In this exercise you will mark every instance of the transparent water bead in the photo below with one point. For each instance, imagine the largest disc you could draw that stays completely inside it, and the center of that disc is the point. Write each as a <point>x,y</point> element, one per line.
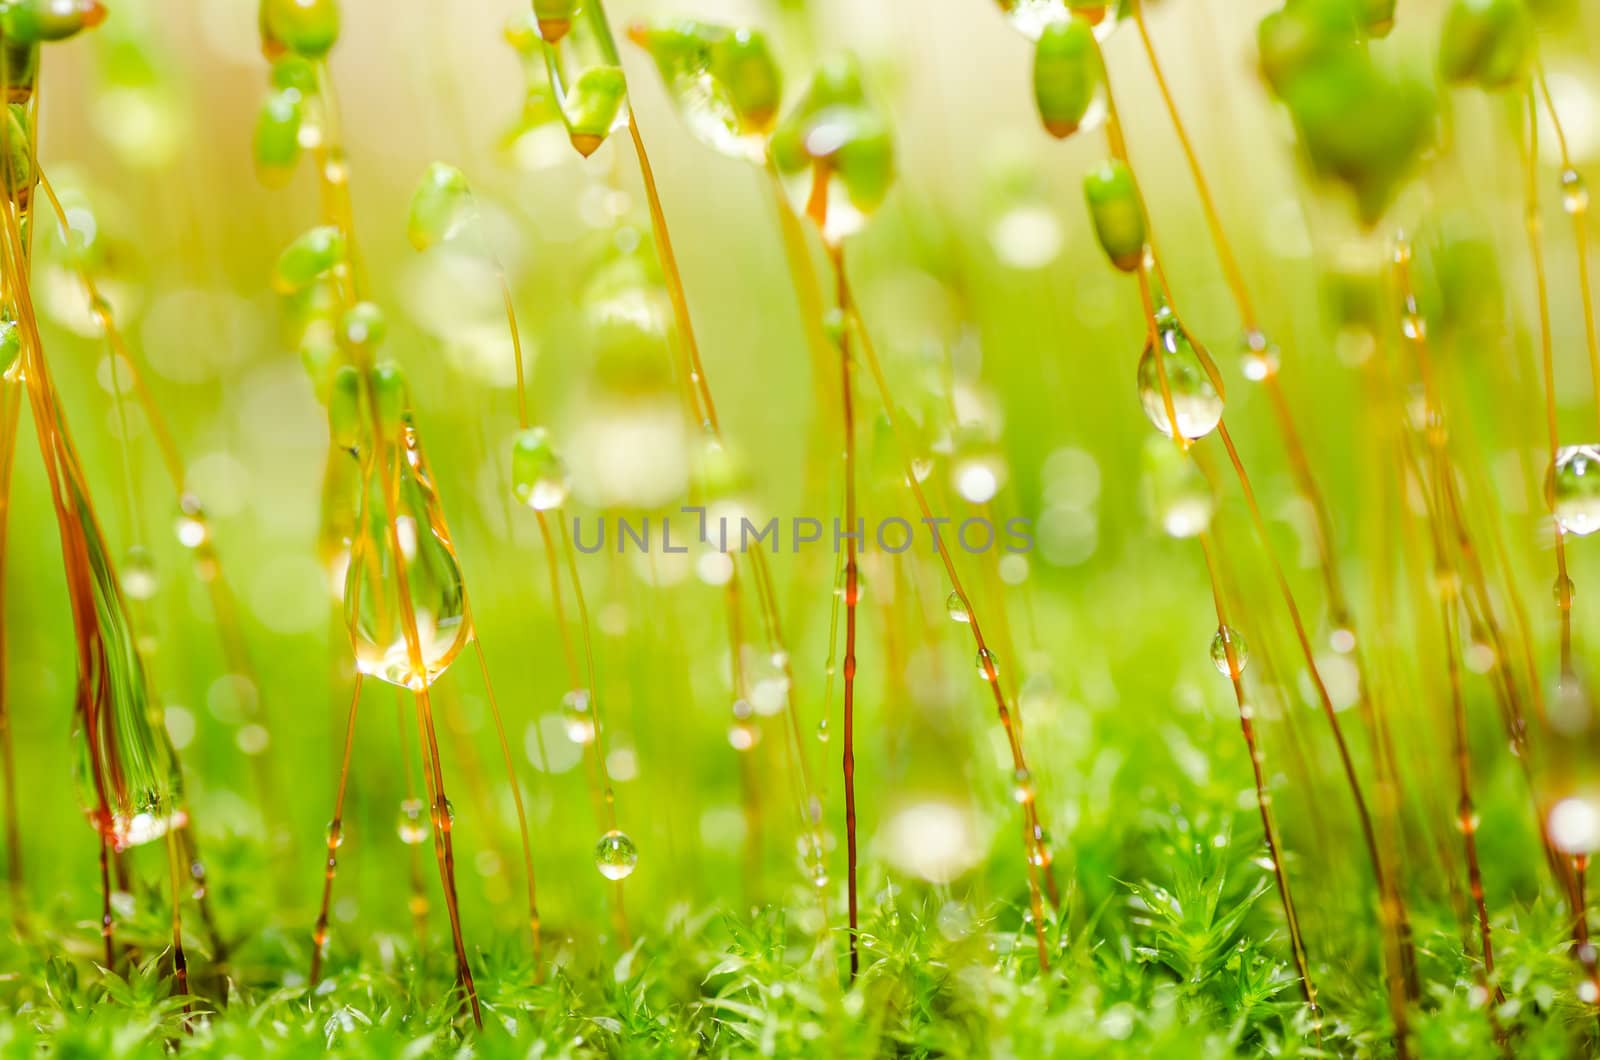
<point>956,607</point>
<point>988,668</point>
<point>139,578</point>
<point>1575,489</point>
<point>1196,404</point>
<point>1228,640</point>
<point>615,855</point>
<point>413,826</point>
<point>577,718</point>
<point>380,625</point>
<point>1574,192</point>
<point>1022,789</point>
<point>1574,825</point>
<point>1030,17</point>
<point>539,477</point>
<point>1260,357</point>
<point>1176,492</point>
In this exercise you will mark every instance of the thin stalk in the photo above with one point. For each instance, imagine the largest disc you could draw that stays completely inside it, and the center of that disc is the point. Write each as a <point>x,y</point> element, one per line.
<point>1269,828</point>
<point>1448,585</point>
<point>330,868</point>
<point>1577,208</point>
<point>1036,850</point>
<point>10,416</point>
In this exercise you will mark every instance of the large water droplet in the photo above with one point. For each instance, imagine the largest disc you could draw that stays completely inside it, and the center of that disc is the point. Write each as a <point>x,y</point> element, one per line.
<point>1196,405</point>
<point>434,607</point>
<point>1030,17</point>
<point>1229,653</point>
<point>988,668</point>
<point>615,855</point>
<point>539,476</point>
<point>1575,489</point>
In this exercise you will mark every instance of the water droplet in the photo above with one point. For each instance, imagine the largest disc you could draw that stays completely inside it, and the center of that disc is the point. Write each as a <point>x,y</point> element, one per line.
<point>1342,639</point>
<point>335,834</point>
<point>768,681</point>
<point>577,717</point>
<point>615,855</point>
<point>193,530</point>
<point>1574,486</point>
<point>413,826</point>
<point>380,630</point>
<point>976,469</point>
<point>1176,492</point>
<point>1563,591</point>
<point>742,736</point>
<point>822,731</point>
<point>139,579</point>
<point>1030,17</point>
<point>1196,405</point>
<point>957,607</point>
<point>539,476</point>
<point>1022,790</point>
<point>1260,357</point>
<point>1574,192</point>
<point>1574,825</point>
<point>988,669</point>
<point>1229,653</point>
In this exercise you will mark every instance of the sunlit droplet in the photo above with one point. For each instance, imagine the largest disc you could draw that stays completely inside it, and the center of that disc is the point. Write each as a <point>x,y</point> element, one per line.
<point>577,717</point>
<point>413,825</point>
<point>1574,192</point>
<point>139,579</point>
<point>615,855</point>
<point>956,607</point>
<point>1229,654</point>
<point>1575,489</point>
<point>988,669</point>
<point>1196,404</point>
<point>1574,825</point>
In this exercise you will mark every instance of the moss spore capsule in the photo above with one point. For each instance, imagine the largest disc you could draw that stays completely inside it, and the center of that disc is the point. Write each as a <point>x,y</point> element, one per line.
<point>1117,213</point>
<point>439,206</point>
<point>309,28</point>
<point>309,257</point>
<point>1068,77</point>
<point>277,136</point>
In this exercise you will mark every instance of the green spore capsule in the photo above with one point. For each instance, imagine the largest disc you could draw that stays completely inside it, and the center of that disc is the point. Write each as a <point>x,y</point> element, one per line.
<point>1067,77</point>
<point>306,27</point>
<point>555,17</point>
<point>277,141</point>
<point>292,71</point>
<point>20,173</point>
<point>743,63</point>
<point>1378,16</point>
<point>33,21</point>
<point>307,258</point>
<point>363,326</point>
<point>1117,212</point>
<point>592,106</point>
<point>1489,42</point>
<point>439,206</point>
<point>344,408</point>
<point>539,476</point>
<point>392,394</point>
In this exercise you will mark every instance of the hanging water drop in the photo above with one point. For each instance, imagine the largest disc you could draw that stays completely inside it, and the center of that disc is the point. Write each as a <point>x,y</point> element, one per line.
<point>615,855</point>
<point>1575,489</point>
<point>405,638</point>
<point>193,530</point>
<point>1196,404</point>
<point>139,579</point>
<point>413,826</point>
<point>577,717</point>
<point>956,607</point>
<point>1574,192</point>
<point>1229,653</point>
<point>539,476</point>
<point>1022,789</point>
<point>1176,493</point>
<point>988,669</point>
